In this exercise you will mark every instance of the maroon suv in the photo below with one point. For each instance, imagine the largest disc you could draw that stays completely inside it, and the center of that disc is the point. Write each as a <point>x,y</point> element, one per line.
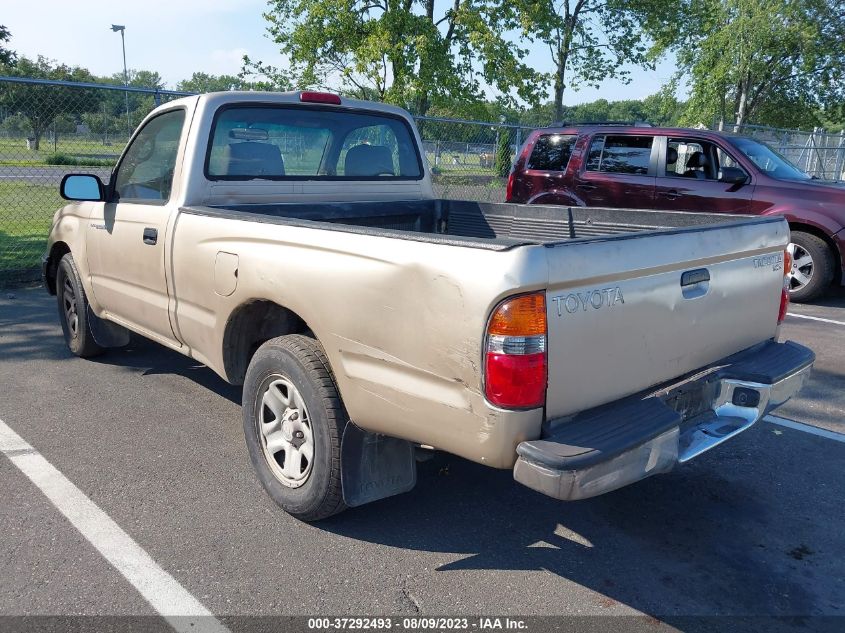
<point>688,170</point>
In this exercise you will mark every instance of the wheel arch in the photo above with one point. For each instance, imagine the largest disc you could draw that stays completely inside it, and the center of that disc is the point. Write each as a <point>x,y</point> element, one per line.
<point>250,325</point>
<point>57,251</point>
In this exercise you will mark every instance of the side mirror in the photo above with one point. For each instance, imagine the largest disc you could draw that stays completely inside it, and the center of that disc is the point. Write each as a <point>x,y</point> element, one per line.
<point>733,175</point>
<point>82,187</point>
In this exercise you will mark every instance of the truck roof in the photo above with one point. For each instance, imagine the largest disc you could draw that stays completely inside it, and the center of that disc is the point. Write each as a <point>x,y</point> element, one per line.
<point>217,99</point>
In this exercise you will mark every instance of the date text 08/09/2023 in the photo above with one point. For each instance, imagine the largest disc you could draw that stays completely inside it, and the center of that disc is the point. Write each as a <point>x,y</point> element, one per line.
<point>418,623</point>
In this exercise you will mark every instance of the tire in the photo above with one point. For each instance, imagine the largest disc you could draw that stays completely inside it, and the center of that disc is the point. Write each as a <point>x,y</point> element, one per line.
<point>813,267</point>
<point>73,310</point>
<point>291,403</point>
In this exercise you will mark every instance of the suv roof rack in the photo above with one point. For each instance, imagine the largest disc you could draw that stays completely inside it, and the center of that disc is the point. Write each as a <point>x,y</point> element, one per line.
<point>582,123</point>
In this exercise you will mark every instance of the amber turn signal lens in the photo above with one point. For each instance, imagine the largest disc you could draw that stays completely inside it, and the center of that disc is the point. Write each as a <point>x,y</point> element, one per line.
<point>787,262</point>
<point>520,316</point>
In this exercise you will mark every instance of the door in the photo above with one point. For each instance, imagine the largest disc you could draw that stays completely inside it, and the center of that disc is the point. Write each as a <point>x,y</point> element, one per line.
<point>126,235</point>
<point>619,172</point>
<point>688,178</point>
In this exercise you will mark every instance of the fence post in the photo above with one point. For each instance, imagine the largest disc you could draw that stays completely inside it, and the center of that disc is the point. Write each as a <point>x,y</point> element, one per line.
<point>518,141</point>
<point>840,156</point>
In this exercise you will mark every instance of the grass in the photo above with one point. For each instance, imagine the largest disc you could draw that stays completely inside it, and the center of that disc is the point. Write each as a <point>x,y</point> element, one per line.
<point>26,212</point>
<point>64,159</point>
<point>13,151</point>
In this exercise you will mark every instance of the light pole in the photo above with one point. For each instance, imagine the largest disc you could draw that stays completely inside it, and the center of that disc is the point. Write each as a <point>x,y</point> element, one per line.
<point>122,29</point>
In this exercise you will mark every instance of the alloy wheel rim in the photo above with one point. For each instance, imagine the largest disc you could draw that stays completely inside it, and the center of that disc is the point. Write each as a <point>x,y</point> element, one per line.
<point>69,303</point>
<point>284,429</point>
<point>802,269</point>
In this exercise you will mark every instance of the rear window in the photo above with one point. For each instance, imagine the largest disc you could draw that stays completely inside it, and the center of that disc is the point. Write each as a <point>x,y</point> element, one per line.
<point>284,142</point>
<point>620,154</point>
<point>551,152</point>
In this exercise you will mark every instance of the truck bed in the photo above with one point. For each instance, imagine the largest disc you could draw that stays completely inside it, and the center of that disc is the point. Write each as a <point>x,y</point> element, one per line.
<point>488,225</point>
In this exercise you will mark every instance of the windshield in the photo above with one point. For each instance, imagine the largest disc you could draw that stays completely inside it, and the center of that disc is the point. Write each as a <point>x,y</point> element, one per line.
<point>768,160</point>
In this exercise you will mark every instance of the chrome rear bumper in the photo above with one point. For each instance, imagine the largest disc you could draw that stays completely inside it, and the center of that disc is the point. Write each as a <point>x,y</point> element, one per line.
<point>619,444</point>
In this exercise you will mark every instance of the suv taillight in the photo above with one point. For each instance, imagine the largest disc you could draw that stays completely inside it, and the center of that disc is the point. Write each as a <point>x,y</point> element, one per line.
<point>515,366</point>
<point>784,293</point>
<point>509,187</point>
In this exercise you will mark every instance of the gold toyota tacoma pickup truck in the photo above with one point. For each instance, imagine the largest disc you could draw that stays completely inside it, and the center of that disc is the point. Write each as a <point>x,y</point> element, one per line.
<point>292,243</point>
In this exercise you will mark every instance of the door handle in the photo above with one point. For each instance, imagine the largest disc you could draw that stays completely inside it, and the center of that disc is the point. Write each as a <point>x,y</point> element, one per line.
<point>150,236</point>
<point>672,194</point>
<point>586,186</point>
<point>697,276</point>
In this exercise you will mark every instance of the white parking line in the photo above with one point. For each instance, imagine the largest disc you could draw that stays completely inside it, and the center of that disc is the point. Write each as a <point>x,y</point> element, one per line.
<point>172,601</point>
<point>814,318</point>
<point>806,428</point>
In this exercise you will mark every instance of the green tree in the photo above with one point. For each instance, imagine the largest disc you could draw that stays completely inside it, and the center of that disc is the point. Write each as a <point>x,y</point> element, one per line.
<point>503,152</point>
<point>139,104</point>
<point>410,52</point>
<point>776,61</point>
<point>203,82</point>
<point>7,57</point>
<point>589,40</point>
<point>15,125</point>
<point>104,124</point>
<point>41,105</point>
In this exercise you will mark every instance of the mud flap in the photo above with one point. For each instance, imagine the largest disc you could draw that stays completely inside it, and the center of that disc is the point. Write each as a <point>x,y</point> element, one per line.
<point>106,333</point>
<point>374,466</point>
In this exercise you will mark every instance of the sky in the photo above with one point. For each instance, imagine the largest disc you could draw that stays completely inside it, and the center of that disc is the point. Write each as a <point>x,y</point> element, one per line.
<point>178,37</point>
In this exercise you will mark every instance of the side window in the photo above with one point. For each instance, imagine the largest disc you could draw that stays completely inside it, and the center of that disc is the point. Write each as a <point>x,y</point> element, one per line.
<point>695,158</point>
<point>726,160</point>
<point>620,154</point>
<point>551,152</point>
<point>369,151</point>
<point>146,172</point>
<point>682,154</point>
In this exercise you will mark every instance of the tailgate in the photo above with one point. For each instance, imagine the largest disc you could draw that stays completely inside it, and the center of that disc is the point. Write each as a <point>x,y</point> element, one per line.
<point>629,312</point>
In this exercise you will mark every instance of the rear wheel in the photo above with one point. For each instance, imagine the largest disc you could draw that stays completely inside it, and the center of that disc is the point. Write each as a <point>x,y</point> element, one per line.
<point>293,424</point>
<point>73,310</point>
<point>813,267</point>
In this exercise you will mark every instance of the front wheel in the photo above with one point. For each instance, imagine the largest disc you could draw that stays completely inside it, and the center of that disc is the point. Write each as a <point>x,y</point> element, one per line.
<point>293,423</point>
<point>73,310</point>
<point>813,267</point>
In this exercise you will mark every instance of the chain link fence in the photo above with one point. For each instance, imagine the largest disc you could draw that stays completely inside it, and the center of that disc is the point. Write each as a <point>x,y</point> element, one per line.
<point>51,128</point>
<point>817,152</point>
<point>470,160</point>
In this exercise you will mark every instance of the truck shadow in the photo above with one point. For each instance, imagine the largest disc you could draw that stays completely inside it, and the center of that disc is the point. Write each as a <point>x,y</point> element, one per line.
<point>152,359</point>
<point>723,535</point>
<point>29,330</point>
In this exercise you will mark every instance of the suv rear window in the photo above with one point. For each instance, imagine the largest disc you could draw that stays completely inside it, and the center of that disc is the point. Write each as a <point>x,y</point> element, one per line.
<point>551,152</point>
<point>620,154</point>
<point>290,142</point>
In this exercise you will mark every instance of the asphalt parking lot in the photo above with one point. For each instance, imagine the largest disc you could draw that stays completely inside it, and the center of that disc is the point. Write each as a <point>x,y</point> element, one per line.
<point>752,528</point>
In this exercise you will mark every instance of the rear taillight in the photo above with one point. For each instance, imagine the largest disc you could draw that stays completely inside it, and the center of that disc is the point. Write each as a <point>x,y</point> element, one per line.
<point>515,361</point>
<point>784,293</point>
<point>509,188</point>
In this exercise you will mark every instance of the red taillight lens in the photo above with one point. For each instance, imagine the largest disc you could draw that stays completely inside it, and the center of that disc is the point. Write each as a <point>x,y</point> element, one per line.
<point>784,293</point>
<point>516,381</point>
<point>515,364</point>
<point>319,97</point>
<point>509,188</point>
